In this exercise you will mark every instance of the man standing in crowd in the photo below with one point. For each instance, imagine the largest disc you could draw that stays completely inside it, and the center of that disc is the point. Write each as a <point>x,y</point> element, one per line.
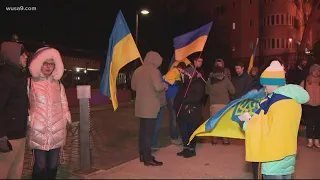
<point>13,110</point>
<point>242,82</point>
<point>147,83</point>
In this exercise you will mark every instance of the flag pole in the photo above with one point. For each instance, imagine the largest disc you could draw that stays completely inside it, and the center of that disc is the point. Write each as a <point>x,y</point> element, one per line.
<point>185,94</point>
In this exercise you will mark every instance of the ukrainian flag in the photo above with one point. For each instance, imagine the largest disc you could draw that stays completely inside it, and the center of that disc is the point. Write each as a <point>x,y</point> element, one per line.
<point>191,42</point>
<point>225,123</point>
<point>252,57</point>
<point>122,50</point>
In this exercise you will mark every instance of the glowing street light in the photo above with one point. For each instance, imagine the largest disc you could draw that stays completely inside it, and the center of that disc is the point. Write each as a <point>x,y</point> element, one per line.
<point>144,12</point>
<point>290,39</point>
<point>78,69</point>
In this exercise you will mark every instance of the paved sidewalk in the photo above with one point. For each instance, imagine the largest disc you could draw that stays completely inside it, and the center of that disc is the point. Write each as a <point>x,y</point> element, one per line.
<point>211,162</point>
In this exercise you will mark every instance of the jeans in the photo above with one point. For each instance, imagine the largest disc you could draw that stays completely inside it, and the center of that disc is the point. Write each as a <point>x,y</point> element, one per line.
<point>187,129</point>
<point>311,114</point>
<point>172,119</point>
<point>158,127</point>
<point>147,126</point>
<point>277,176</point>
<point>45,164</point>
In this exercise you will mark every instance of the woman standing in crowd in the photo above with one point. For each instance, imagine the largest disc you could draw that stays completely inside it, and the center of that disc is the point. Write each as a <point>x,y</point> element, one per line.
<point>312,107</point>
<point>49,112</point>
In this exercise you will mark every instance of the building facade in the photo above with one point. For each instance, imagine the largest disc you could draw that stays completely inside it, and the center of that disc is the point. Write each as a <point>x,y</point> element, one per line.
<point>279,25</point>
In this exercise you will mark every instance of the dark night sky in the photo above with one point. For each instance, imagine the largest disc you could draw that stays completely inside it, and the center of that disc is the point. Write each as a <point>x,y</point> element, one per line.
<point>88,24</point>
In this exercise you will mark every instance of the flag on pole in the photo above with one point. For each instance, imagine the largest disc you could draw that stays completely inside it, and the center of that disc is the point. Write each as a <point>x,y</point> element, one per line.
<point>191,42</point>
<point>122,50</point>
<point>252,57</point>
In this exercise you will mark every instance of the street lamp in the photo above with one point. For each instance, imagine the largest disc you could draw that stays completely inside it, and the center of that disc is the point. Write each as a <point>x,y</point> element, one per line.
<point>143,12</point>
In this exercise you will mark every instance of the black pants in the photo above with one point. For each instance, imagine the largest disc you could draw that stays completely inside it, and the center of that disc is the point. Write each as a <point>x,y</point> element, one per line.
<point>45,164</point>
<point>312,121</point>
<point>147,126</point>
<point>187,128</point>
<point>255,170</point>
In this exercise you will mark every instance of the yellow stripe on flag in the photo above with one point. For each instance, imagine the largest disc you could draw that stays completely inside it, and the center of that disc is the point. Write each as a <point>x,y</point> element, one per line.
<point>124,52</point>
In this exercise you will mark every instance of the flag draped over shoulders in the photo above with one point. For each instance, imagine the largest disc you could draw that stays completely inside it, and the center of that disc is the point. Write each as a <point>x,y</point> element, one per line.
<point>225,123</point>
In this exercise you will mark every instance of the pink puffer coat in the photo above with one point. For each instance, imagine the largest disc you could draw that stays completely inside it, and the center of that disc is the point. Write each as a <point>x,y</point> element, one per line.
<point>49,112</point>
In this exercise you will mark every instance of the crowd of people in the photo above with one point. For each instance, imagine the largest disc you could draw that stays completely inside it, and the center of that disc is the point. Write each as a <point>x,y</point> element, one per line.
<point>34,110</point>
<point>184,96</point>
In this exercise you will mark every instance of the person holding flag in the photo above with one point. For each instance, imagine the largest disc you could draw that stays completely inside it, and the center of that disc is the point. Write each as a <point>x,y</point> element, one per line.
<point>188,105</point>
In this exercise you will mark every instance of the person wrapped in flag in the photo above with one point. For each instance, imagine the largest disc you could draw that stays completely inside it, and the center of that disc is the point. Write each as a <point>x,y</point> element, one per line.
<point>271,133</point>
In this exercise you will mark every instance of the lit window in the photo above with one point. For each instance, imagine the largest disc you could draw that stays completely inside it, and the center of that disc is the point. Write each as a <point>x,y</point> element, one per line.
<point>233,25</point>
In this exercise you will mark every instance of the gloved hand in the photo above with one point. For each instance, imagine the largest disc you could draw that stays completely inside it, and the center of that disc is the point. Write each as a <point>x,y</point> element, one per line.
<point>5,145</point>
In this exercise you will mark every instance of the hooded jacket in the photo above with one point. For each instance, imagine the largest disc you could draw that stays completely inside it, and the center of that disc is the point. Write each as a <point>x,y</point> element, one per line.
<point>13,92</point>
<point>147,83</point>
<point>49,112</point>
<point>219,88</point>
<point>271,134</point>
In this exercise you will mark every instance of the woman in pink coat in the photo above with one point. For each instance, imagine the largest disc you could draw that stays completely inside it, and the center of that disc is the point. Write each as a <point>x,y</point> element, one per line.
<point>49,112</point>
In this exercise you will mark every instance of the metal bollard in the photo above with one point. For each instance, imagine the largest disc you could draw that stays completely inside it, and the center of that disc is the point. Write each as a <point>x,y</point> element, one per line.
<point>84,94</point>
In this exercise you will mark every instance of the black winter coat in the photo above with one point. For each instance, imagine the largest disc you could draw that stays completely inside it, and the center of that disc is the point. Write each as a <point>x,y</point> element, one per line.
<point>13,102</point>
<point>191,109</point>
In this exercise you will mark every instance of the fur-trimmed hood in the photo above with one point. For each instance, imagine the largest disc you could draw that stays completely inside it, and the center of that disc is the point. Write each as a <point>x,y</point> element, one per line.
<point>40,57</point>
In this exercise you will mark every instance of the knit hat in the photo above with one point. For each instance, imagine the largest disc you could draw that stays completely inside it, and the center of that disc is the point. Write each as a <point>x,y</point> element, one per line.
<point>274,75</point>
<point>314,67</point>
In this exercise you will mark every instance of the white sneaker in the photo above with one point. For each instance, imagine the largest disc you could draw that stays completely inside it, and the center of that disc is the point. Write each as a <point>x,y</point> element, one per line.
<point>310,143</point>
<point>176,141</point>
<point>317,143</point>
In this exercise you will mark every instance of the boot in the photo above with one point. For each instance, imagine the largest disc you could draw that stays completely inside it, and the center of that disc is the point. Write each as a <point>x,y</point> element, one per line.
<point>184,151</point>
<point>310,143</point>
<point>39,175</point>
<point>214,140</point>
<point>153,162</point>
<point>225,141</point>
<point>317,143</point>
<point>141,157</point>
<point>52,173</point>
<point>190,153</point>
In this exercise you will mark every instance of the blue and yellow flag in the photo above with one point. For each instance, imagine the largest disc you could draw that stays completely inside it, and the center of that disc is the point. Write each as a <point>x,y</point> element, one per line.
<point>252,57</point>
<point>191,42</point>
<point>122,50</point>
<point>225,123</point>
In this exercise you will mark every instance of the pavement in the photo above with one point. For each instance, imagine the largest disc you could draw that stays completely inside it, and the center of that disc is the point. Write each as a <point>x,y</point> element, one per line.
<point>114,151</point>
<point>211,162</point>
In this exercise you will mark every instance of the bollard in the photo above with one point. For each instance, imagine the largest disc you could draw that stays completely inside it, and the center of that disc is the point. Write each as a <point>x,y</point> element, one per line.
<point>84,94</point>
